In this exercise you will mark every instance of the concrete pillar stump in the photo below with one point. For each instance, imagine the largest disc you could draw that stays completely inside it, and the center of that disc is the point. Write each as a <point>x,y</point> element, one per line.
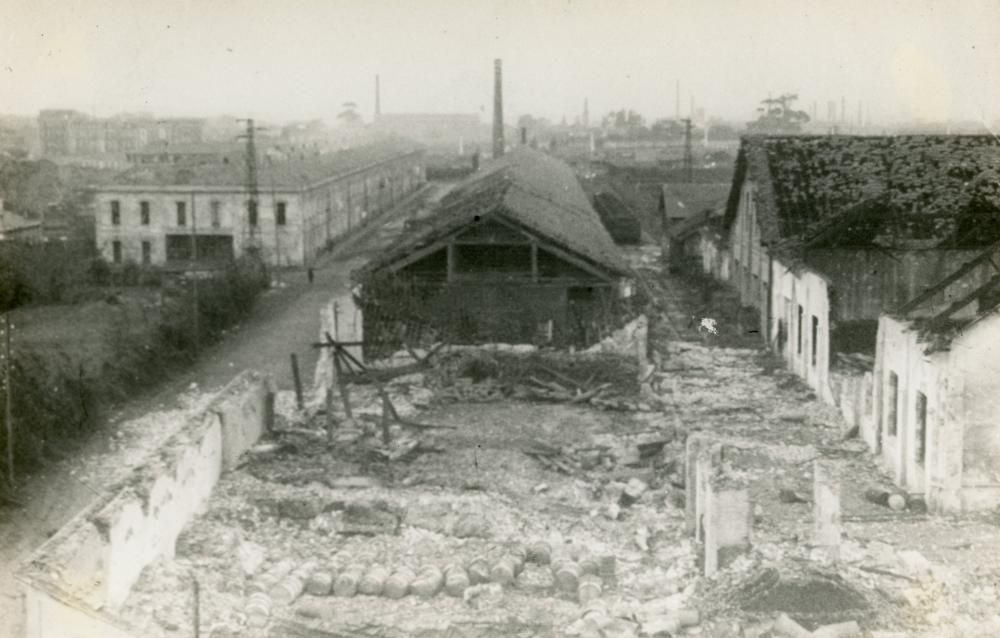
<point>826,505</point>
<point>728,524</point>
<point>707,462</point>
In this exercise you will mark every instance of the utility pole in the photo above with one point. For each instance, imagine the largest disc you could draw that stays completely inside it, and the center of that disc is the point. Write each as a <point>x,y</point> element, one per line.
<point>8,396</point>
<point>195,275</point>
<point>251,180</point>
<point>688,157</point>
<point>274,208</point>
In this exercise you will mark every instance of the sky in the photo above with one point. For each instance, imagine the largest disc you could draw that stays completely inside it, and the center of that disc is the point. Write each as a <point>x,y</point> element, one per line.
<point>302,59</point>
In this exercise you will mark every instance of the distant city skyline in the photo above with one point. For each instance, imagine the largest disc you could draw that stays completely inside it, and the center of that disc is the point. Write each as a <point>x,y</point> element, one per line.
<point>918,60</point>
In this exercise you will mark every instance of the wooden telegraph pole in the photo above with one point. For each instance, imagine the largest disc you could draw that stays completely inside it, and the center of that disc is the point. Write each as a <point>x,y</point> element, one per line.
<point>8,397</point>
<point>195,275</point>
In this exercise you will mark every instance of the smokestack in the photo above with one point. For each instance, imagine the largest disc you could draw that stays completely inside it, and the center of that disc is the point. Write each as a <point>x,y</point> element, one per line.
<point>524,136</point>
<point>677,102</point>
<point>586,114</point>
<point>378,98</point>
<point>498,143</point>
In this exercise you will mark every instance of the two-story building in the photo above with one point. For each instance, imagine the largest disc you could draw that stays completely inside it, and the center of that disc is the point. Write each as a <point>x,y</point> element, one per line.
<point>163,215</point>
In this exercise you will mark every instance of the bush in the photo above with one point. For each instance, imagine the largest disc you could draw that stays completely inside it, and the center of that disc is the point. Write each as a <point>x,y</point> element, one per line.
<point>56,402</point>
<point>99,271</point>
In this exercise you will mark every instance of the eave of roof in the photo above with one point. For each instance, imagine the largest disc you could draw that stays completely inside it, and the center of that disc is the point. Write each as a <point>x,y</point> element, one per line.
<point>529,188</point>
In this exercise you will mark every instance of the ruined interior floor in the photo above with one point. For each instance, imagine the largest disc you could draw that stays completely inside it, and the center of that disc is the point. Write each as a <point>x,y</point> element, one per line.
<point>480,493</point>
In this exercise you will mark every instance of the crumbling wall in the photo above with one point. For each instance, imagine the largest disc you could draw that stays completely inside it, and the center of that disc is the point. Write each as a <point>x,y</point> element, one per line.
<point>853,393</point>
<point>715,256</point>
<point>88,568</point>
<point>901,352</point>
<point>974,385</point>
<point>63,617</point>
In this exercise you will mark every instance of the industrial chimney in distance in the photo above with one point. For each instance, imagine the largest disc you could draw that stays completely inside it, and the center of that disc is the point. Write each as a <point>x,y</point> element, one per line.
<point>498,142</point>
<point>378,98</point>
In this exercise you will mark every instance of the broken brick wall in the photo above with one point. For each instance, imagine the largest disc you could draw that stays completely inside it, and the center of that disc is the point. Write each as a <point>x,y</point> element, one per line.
<point>91,564</point>
<point>853,393</point>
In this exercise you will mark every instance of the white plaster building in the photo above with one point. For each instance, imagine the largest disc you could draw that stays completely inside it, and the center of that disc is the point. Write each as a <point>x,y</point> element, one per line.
<point>825,233</point>
<point>167,215</point>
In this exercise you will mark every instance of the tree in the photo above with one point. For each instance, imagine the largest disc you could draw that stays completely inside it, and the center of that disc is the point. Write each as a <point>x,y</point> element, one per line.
<point>777,115</point>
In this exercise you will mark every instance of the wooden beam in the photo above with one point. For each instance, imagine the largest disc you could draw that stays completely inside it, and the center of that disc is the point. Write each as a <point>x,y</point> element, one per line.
<point>534,262</point>
<point>451,262</point>
<point>960,303</point>
<point>947,281</point>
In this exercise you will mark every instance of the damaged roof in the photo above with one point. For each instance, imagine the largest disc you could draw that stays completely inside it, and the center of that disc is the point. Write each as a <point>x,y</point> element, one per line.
<point>942,190</point>
<point>295,172</point>
<point>530,188</point>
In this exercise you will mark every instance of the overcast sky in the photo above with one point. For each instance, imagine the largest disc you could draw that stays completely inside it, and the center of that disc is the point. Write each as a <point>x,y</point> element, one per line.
<point>293,59</point>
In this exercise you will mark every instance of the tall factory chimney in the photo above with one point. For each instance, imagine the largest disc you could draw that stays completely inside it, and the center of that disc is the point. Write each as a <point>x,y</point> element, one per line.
<point>378,98</point>
<point>498,143</point>
<point>586,113</point>
<point>677,101</point>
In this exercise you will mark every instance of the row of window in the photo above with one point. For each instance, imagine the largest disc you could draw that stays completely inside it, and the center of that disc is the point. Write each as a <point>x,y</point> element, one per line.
<point>920,411</point>
<point>180,209</point>
<point>147,252</point>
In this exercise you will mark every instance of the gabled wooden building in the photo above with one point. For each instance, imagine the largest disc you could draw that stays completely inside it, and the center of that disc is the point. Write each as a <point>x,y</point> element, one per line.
<point>516,254</point>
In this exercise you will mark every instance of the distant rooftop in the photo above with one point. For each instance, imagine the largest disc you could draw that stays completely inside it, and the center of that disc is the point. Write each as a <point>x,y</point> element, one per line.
<point>298,171</point>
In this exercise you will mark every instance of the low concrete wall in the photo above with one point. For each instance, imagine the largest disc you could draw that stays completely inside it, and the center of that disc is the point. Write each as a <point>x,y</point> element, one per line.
<point>75,581</point>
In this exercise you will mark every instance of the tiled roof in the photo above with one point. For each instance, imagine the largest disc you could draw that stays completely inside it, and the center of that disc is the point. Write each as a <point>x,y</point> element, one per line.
<point>532,189</point>
<point>684,200</point>
<point>944,189</point>
<point>295,172</point>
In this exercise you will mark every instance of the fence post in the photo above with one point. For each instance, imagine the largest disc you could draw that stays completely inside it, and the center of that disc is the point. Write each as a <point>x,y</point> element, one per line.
<point>297,380</point>
<point>8,398</point>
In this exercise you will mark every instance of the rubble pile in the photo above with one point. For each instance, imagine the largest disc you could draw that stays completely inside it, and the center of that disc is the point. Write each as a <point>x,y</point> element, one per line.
<point>483,375</point>
<point>501,504</point>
